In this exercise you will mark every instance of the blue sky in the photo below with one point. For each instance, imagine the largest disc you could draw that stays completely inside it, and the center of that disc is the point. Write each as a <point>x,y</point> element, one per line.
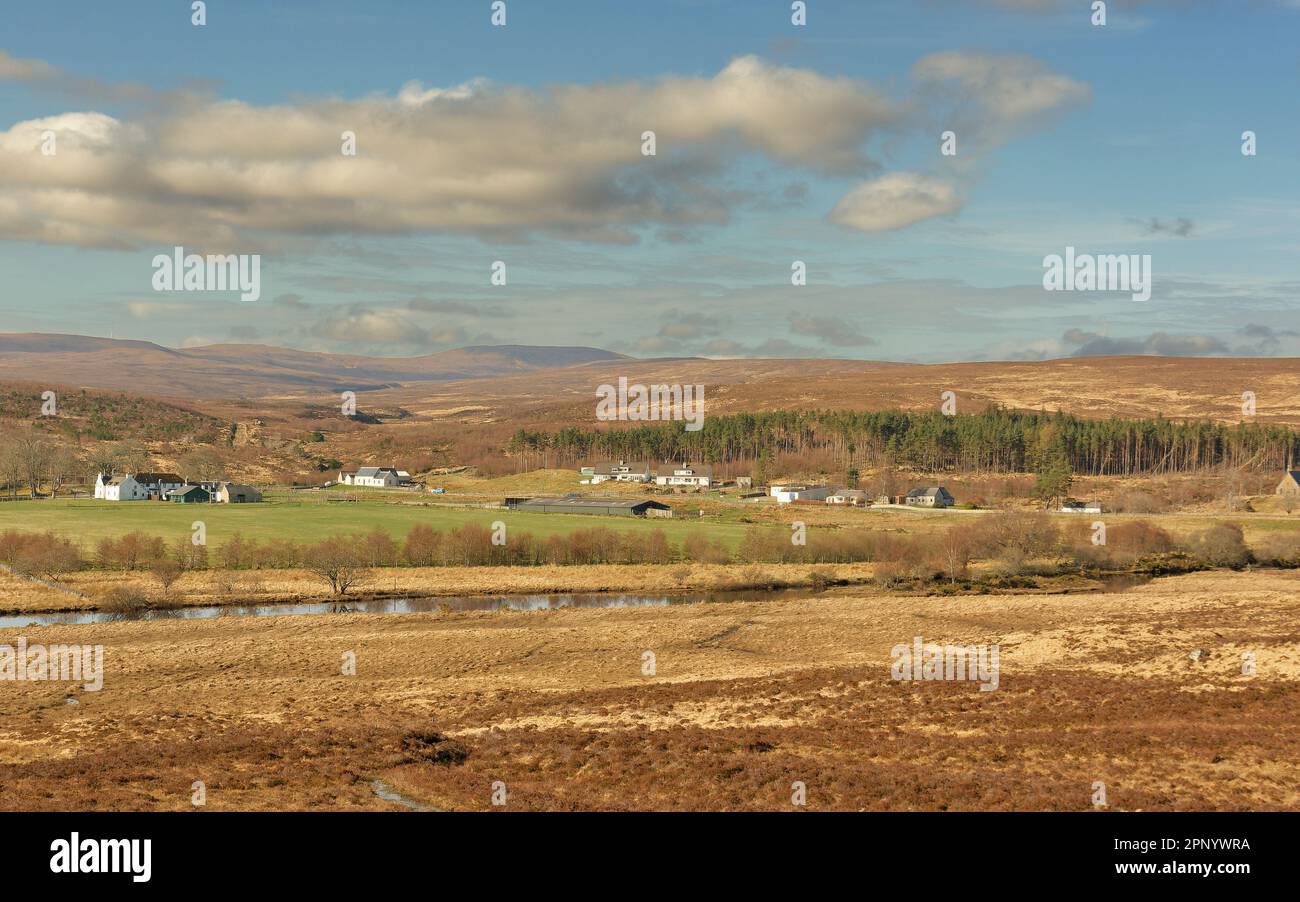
<point>776,143</point>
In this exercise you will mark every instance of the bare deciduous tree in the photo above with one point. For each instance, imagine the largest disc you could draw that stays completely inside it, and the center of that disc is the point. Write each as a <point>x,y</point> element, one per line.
<point>338,561</point>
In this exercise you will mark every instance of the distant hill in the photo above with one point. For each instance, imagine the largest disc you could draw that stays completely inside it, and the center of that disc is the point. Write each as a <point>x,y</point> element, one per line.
<point>255,371</point>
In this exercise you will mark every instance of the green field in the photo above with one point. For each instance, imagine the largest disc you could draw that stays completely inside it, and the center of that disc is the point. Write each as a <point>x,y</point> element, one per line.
<point>302,520</point>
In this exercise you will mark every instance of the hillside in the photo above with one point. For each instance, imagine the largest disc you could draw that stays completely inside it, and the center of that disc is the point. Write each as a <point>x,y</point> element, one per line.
<point>255,371</point>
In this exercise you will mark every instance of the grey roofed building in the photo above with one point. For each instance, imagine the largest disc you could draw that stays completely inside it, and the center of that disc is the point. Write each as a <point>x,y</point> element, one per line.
<point>157,478</point>
<point>189,494</point>
<point>237,493</point>
<point>617,507</point>
<point>933,496</point>
<point>623,471</point>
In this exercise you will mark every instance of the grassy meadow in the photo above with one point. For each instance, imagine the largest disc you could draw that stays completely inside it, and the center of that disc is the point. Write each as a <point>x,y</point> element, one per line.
<point>314,518</point>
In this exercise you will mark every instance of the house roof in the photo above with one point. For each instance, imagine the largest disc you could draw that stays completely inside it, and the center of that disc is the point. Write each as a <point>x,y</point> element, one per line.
<point>607,467</point>
<point>154,478</point>
<point>375,471</point>
<point>186,489</point>
<point>930,492</point>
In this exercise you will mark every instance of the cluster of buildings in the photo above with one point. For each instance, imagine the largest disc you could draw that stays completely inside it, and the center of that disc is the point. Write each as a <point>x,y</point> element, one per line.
<point>700,476</point>
<point>930,496</point>
<point>170,487</point>
<point>687,475</point>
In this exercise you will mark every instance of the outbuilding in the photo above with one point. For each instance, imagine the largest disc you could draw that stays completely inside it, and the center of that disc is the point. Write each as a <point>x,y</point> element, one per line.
<point>609,507</point>
<point>189,494</point>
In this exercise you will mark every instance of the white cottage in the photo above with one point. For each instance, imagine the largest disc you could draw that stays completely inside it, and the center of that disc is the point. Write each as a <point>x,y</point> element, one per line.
<point>701,477</point>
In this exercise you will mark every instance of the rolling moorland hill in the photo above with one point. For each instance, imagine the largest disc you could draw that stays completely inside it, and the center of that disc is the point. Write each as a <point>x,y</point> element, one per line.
<point>254,371</point>
<point>557,385</point>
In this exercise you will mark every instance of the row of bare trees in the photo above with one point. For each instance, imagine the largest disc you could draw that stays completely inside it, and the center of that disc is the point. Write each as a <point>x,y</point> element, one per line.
<point>33,464</point>
<point>37,465</point>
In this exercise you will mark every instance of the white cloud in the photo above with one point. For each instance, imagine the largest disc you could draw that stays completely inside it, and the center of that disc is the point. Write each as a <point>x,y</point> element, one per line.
<point>895,201</point>
<point>503,162</point>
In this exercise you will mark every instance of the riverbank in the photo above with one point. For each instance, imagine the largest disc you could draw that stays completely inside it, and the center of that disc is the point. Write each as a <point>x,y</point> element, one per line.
<point>241,587</point>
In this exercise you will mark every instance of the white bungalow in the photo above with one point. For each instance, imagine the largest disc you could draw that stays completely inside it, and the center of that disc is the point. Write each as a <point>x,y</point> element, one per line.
<point>377,477</point>
<point>622,471</point>
<point>701,477</point>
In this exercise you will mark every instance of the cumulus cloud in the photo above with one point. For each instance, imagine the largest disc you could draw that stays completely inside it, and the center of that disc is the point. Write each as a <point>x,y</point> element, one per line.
<point>994,96</point>
<point>1265,341</point>
<point>894,201</point>
<point>986,100</point>
<point>478,158</point>
<point>376,327</point>
<point>497,161</point>
<point>1091,344</point>
<point>830,329</point>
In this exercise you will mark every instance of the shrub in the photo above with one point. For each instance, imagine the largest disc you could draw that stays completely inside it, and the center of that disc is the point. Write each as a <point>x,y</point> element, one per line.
<point>166,571</point>
<point>1221,545</point>
<point>1279,549</point>
<point>129,552</point>
<point>45,555</point>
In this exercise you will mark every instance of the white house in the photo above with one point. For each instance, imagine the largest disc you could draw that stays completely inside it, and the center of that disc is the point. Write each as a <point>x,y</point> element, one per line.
<point>848,496</point>
<point>785,494</point>
<point>136,486</point>
<point>701,477</point>
<point>1081,507</point>
<point>379,477</point>
<point>622,471</point>
<point>933,496</point>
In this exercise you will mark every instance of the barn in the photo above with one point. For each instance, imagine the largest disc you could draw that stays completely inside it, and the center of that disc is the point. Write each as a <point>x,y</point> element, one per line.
<point>608,507</point>
<point>189,494</point>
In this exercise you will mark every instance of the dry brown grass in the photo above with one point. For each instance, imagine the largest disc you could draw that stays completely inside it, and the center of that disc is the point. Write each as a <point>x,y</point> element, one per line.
<point>747,698</point>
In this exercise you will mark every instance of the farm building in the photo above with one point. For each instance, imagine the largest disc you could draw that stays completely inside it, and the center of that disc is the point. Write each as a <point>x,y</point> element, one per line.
<point>234,493</point>
<point>615,507</point>
<point>934,496</point>
<point>189,494</point>
<point>785,494</point>
<point>1290,484</point>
